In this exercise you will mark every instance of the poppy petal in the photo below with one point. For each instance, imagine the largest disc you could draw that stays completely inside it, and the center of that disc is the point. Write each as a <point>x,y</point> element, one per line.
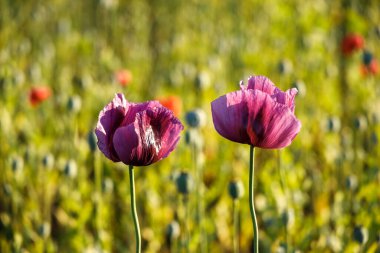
<point>110,118</point>
<point>230,116</point>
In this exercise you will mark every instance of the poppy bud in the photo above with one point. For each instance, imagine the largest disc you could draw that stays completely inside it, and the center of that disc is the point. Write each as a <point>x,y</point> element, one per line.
<point>7,188</point>
<point>74,104</point>
<point>202,81</point>
<point>196,118</point>
<point>44,230</point>
<point>351,182</point>
<point>193,138</point>
<point>300,86</point>
<point>173,230</point>
<point>360,234</point>
<point>367,57</point>
<point>48,161</point>
<point>17,164</point>
<point>71,169</point>
<point>285,66</point>
<point>184,183</point>
<point>333,124</point>
<point>360,123</point>
<point>107,185</point>
<point>236,189</point>
<point>91,140</point>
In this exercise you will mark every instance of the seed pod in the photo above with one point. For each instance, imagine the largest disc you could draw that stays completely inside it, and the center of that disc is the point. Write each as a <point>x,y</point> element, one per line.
<point>367,57</point>
<point>17,164</point>
<point>202,81</point>
<point>360,123</point>
<point>351,182</point>
<point>44,230</point>
<point>173,230</point>
<point>48,161</point>
<point>184,183</point>
<point>333,124</point>
<point>285,66</point>
<point>91,140</point>
<point>71,169</point>
<point>196,118</point>
<point>74,104</point>
<point>236,189</point>
<point>360,234</point>
<point>300,86</point>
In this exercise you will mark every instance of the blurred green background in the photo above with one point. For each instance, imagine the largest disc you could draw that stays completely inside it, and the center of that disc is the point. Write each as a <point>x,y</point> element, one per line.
<point>60,194</point>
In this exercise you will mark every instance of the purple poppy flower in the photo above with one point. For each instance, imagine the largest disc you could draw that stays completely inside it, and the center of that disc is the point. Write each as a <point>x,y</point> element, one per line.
<point>259,114</point>
<point>137,134</point>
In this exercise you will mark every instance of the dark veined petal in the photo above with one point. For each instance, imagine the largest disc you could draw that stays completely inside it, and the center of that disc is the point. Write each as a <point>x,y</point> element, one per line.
<point>151,137</point>
<point>230,116</point>
<point>110,118</point>
<point>169,128</point>
<point>271,124</point>
<point>135,108</point>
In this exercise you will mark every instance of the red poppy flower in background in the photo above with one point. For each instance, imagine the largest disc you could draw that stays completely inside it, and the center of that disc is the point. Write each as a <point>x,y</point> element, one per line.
<point>258,114</point>
<point>351,43</point>
<point>137,134</point>
<point>123,77</point>
<point>173,103</point>
<point>371,68</point>
<point>39,94</point>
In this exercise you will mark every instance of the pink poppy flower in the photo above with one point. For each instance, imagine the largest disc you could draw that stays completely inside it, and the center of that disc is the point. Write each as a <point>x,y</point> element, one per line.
<point>137,134</point>
<point>259,114</point>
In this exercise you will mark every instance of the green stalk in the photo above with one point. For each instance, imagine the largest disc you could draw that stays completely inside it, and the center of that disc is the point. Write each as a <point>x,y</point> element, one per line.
<point>235,207</point>
<point>251,200</point>
<point>134,212</point>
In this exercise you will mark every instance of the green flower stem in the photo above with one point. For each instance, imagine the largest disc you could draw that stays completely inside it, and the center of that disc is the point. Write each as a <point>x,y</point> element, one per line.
<point>134,212</point>
<point>283,186</point>
<point>251,199</point>
<point>235,207</point>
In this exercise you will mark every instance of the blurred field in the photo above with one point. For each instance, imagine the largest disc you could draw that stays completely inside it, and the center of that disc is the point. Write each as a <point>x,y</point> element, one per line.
<point>60,194</point>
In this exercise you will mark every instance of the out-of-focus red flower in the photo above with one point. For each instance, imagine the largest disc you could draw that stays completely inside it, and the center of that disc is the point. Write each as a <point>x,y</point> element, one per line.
<point>351,43</point>
<point>123,77</point>
<point>173,103</point>
<point>371,68</point>
<point>39,94</point>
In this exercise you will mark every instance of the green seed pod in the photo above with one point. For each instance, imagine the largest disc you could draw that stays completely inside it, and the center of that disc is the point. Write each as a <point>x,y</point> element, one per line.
<point>17,164</point>
<point>71,169</point>
<point>74,104</point>
<point>48,161</point>
<point>173,230</point>
<point>202,81</point>
<point>196,118</point>
<point>360,123</point>
<point>285,66</point>
<point>300,86</point>
<point>44,230</point>
<point>333,124</point>
<point>360,234</point>
<point>351,182</point>
<point>107,185</point>
<point>184,183</point>
<point>91,140</point>
<point>236,189</point>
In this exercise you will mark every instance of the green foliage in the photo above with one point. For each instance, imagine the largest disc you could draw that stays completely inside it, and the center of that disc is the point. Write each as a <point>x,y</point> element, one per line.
<point>58,194</point>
